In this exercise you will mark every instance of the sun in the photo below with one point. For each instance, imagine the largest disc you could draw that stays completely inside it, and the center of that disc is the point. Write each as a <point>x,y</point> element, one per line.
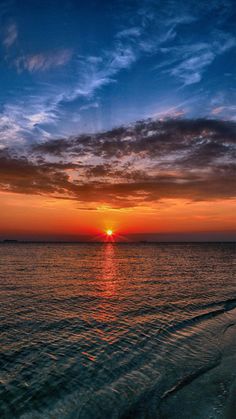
<point>109,232</point>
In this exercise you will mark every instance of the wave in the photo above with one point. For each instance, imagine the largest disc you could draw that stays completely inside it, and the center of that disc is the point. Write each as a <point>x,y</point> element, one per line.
<point>147,395</point>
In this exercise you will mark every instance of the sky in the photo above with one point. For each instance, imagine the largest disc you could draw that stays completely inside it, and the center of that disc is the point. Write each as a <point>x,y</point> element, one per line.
<point>118,114</point>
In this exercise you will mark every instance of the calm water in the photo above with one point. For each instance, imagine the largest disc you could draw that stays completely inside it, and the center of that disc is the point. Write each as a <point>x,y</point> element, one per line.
<point>118,331</point>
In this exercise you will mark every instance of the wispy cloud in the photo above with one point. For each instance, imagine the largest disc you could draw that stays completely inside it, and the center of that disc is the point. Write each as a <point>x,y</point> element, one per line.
<point>217,110</point>
<point>21,122</point>
<point>43,61</point>
<point>188,62</point>
<point>10,36</point>
<point>129,33</point>
<point>95,72</point>
<point>91,73</point>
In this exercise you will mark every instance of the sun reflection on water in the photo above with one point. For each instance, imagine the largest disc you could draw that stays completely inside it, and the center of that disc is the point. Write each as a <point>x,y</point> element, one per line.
<point>108,276</point>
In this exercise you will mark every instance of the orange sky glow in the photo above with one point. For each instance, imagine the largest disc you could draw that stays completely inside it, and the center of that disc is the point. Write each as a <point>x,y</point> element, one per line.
<point>159,179</point>
<point>26,216</point>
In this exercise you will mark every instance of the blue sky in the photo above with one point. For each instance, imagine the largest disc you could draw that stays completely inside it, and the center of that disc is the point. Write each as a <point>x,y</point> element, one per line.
<point>72,66</point>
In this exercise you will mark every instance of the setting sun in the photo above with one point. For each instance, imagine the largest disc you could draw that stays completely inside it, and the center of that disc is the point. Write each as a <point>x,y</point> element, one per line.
<point>109,232</point>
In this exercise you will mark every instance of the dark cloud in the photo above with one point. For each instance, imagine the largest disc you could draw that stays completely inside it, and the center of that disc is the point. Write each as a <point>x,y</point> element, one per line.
<point>149,138</point>
<point>148,161</point>
<point>19,174</point>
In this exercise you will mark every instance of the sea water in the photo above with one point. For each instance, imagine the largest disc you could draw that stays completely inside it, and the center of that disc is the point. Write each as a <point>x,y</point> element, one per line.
<point>118,331</point>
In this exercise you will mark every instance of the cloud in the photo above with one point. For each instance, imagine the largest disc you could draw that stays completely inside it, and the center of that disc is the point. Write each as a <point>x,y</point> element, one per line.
<point>129,45</point>
<point>43,61</point>
<point>217,110</point>
<point>150,138</point>
<point>96,72</point>
<point>188,62</point>
<point>130,32</point>
<point>11,35</point>
<point>22,121</point>
<point>145,162</point>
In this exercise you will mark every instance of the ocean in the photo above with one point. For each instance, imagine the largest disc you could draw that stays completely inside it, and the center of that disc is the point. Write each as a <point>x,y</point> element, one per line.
<point>114,331</point>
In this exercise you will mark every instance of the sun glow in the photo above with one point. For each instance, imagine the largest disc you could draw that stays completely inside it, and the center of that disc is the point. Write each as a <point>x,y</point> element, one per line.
<point>109,232</point>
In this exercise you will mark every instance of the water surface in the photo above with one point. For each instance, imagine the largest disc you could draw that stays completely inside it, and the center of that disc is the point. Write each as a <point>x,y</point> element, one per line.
<point>117,331</point>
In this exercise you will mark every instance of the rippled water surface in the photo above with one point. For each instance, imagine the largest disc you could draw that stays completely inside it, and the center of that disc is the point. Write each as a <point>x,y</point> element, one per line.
<point>118,331</point>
